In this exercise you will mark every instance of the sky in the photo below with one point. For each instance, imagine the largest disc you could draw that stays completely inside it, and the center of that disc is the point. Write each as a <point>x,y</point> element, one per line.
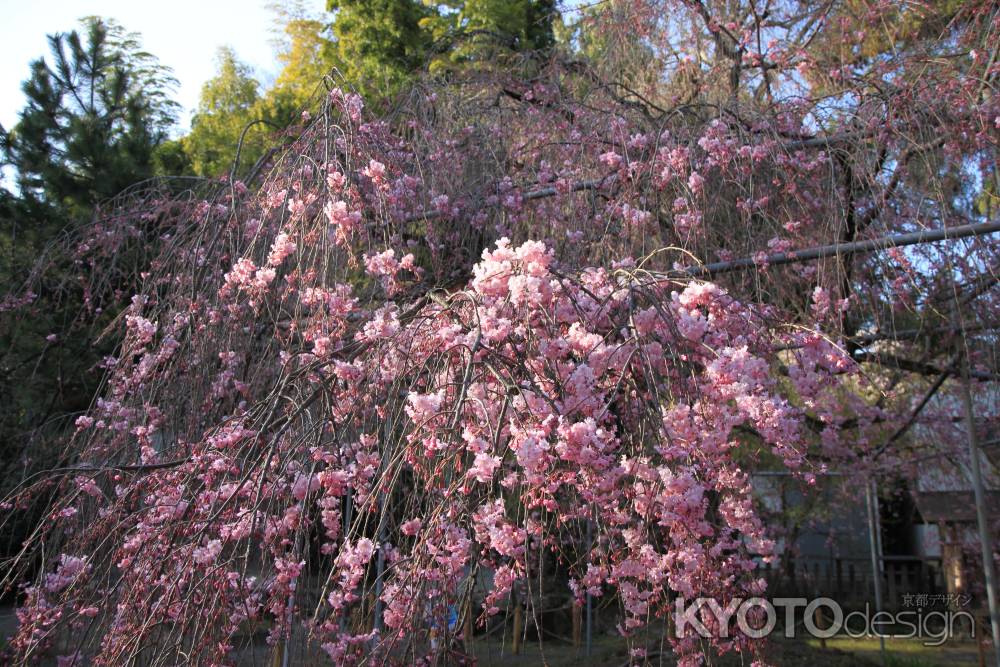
<point>183,34</point>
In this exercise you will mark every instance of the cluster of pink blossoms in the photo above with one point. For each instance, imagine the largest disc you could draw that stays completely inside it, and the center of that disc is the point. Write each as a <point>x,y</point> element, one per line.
<point>386,268</point>
<point>283,444</point>
<point>531,380</point>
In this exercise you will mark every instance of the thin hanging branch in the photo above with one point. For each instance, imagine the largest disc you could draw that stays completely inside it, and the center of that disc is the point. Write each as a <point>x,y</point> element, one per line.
<point>835,249</point>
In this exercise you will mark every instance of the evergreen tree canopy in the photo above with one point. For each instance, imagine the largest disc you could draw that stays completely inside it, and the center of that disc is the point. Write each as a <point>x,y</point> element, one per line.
<point>95,113</point>
<point>379,43</point>
<point>227,105</point>
<point>478,32</point>
<point>304,49</point>
<point>375,46</point>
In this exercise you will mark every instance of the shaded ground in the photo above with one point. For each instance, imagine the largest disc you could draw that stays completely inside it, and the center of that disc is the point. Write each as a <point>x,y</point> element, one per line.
<point>911,652</point>
<point>611,651</point>
<point>8,623</point>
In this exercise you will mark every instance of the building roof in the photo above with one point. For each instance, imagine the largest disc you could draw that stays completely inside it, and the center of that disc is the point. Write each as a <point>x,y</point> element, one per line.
<point>954,506</point>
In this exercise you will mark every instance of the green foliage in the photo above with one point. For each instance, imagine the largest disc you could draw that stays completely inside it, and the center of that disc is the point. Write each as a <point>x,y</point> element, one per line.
<point>96,120</point>
<point>305,51</point>
<point>378,44</point>
<point>232,104</point>
<point>94,117</point>
<point>170,158</point>
<point>228,104</point>
<point>480,34</point>
<point>97,116</point>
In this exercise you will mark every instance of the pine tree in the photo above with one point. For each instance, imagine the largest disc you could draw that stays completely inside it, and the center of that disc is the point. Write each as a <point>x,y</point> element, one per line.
<point>98,109</point>
<point>95,114</point>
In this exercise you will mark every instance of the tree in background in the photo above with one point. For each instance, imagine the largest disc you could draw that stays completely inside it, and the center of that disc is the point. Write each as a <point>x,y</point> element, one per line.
<point>95,114</point>
<point>228,104</point>
<point>97,111</point>
<point>374,46</point>
<point>304,49</point>
<point>379,44</point>
<point>544,330</point>
<point>234,105</point>
<point>479,34</point>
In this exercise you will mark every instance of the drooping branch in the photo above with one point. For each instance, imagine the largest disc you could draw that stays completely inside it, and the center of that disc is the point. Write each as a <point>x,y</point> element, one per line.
<point>835,249</point>
<point>893,361</point>
<point>915,334</point>
<point>919,408</point>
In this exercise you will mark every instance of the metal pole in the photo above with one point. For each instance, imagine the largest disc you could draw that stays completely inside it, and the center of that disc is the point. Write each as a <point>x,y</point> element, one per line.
<point>590,608</point>
<point>984,531</point>
<point>873,543</point>
<point>381,537</point>
<point>379,569</point>
<point>877,513</point>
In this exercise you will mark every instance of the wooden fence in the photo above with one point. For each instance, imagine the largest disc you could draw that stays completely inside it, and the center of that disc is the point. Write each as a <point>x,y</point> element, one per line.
<point>849,580</point>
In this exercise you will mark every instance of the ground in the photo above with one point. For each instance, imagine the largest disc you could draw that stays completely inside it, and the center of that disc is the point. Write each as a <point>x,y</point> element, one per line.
<point>610,651</point>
